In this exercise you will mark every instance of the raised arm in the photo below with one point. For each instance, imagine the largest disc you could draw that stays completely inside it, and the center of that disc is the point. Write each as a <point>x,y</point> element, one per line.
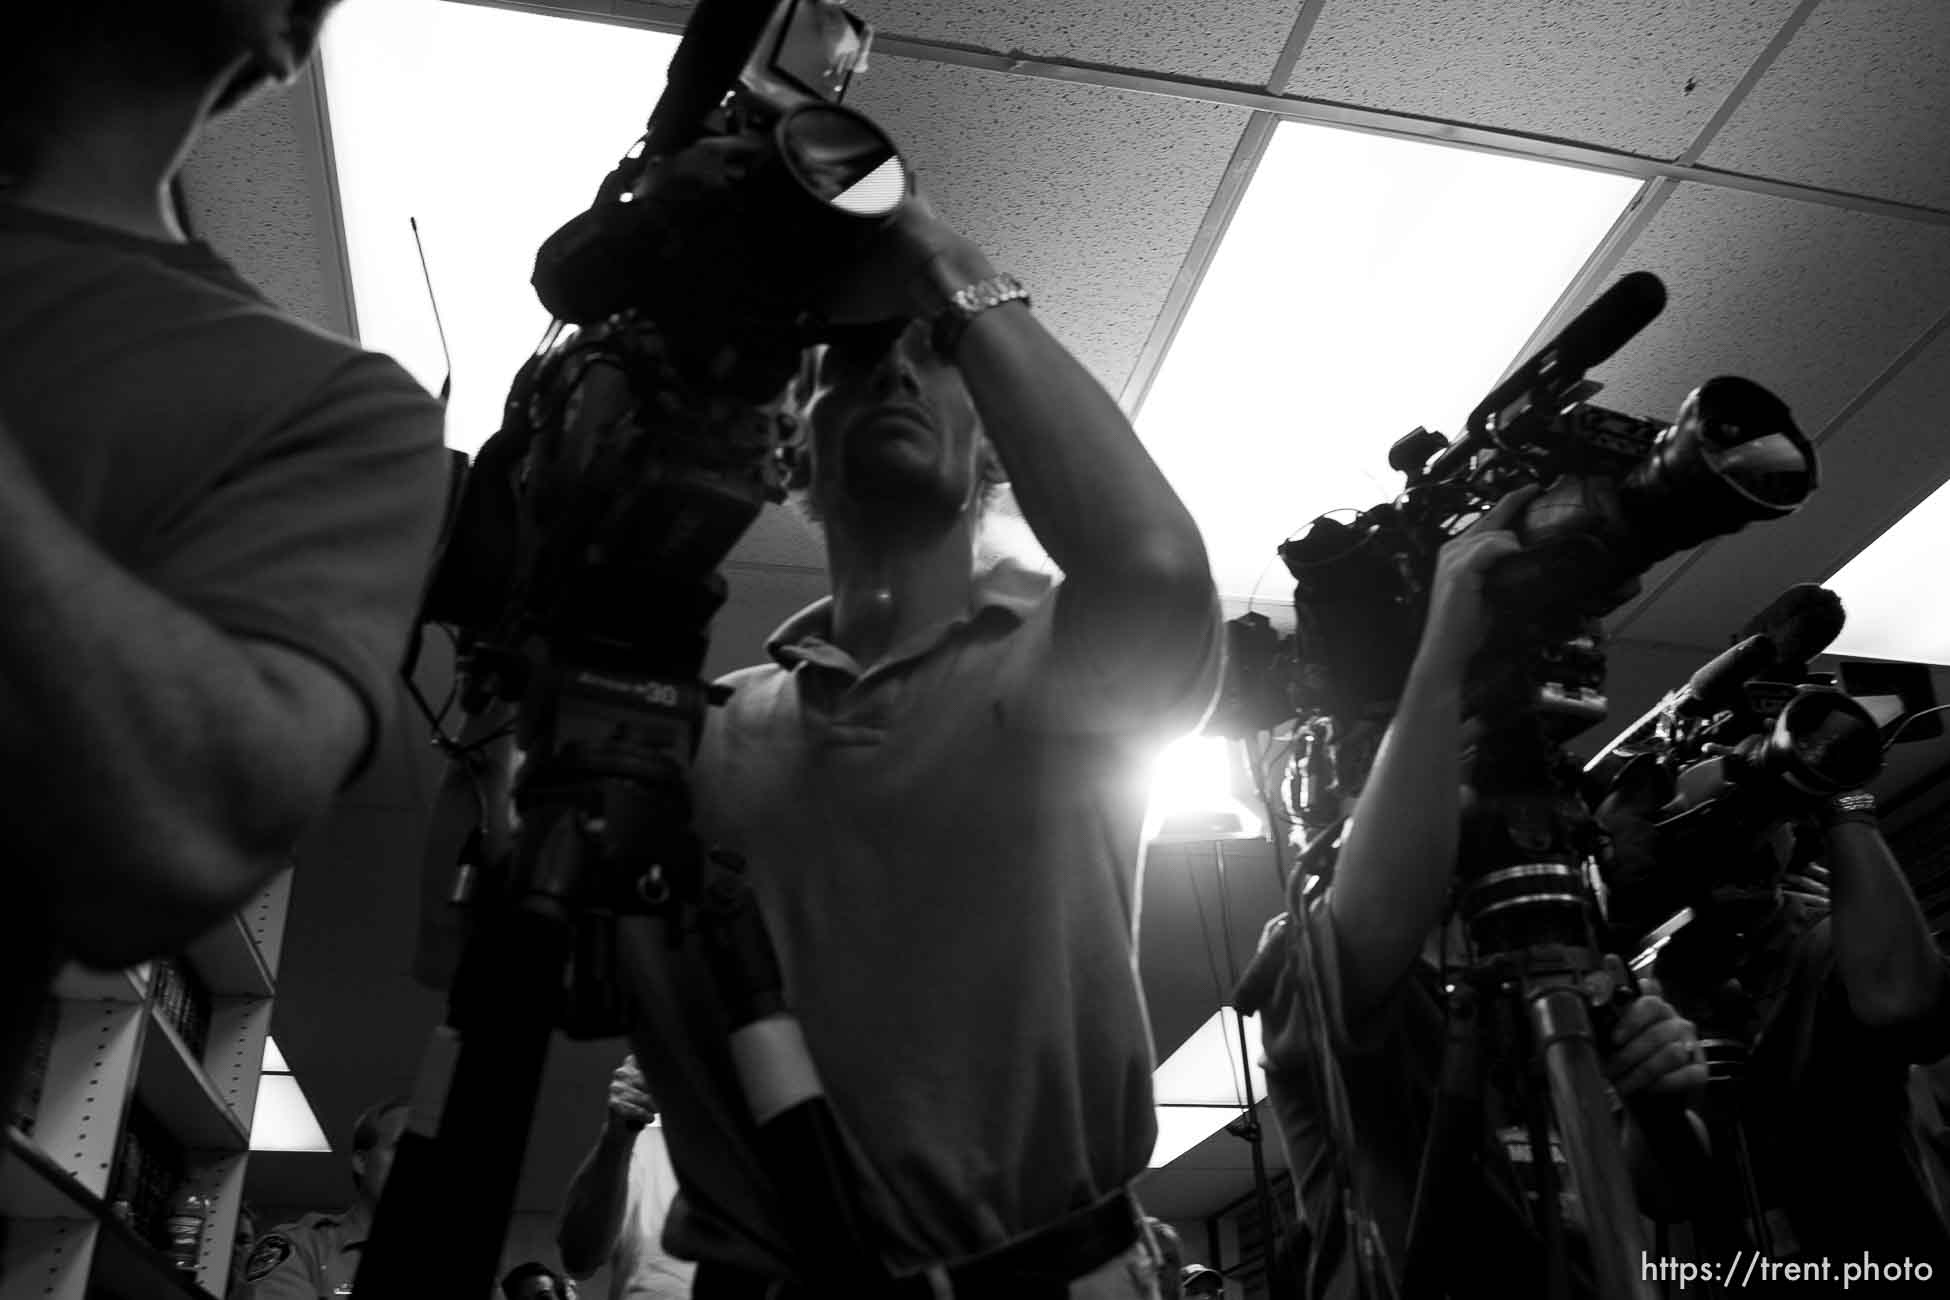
<point>1392,880</point>
<point>1134,565</point>
<point>597,1204</point>
<point>160,770</point>
<point>1890,967</point>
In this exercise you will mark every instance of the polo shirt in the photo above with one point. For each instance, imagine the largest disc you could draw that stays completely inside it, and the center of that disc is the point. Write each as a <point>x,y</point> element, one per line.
<point>945,847</point>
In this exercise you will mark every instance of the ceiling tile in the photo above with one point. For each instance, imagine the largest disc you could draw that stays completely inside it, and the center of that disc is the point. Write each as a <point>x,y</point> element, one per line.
<point>1092,196</point>
<point>1859,101</point>
<point>1889,455</point>
<point>250,195</point>
<point>1812,301</point>
<point>1238,41</point>
<point>1640,75</point>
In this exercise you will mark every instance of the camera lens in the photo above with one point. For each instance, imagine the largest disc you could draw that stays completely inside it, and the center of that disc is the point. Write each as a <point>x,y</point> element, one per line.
<point>1824,742</point>
<point>1732,457</point>
<point>843,160</point>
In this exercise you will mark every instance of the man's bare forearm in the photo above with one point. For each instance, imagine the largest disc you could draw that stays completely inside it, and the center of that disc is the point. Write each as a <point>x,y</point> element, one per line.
<point>1088,488</point>
<point>592,1213</point>
<point>155,782</point>
<point>1392,880</point>
<point>1889,964</point>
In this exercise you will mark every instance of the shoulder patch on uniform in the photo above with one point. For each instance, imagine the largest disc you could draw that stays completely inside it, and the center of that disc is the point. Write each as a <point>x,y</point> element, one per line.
<point>265,1257</point>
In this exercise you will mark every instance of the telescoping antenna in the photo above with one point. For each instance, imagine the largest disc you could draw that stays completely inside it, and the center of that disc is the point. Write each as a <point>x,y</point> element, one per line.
<point>447,357</point>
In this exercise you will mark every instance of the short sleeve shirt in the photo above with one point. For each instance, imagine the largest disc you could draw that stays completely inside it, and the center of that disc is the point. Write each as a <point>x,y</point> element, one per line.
<point>1391,1062</point>
<point>945,849</point>
<point>282,483</point>
<point>640,1269</point>
<point>314,1258</point>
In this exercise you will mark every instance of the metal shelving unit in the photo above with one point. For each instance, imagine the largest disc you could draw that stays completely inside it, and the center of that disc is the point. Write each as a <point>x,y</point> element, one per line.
<point>113,1048</point>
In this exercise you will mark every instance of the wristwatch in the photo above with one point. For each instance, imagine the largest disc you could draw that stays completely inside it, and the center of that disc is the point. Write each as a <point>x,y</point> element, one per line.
<point>970,301</point>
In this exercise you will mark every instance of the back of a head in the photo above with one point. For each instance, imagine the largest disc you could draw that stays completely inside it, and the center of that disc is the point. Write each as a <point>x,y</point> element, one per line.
<point>55,58</point>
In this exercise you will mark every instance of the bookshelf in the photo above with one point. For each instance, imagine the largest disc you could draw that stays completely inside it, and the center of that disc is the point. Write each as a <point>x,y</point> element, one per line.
<point>166,1055</point>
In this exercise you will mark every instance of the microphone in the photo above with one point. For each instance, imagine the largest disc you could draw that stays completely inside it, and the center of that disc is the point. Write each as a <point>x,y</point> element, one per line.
<point>1716,684</point>
<point>1608,324</point>
<point>1801,622</point>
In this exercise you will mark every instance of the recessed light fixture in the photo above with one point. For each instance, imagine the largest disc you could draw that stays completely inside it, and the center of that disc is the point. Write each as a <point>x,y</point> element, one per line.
<point>490,127</point>
<point>284,1120</point>
<point>1886,618</point>
<point>1200,1089</point>
<point>1366,285</point>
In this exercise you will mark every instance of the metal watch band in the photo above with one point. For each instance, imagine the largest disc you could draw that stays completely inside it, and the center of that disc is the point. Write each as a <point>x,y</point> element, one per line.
<point>1856,805</point>
<point>970,301</point>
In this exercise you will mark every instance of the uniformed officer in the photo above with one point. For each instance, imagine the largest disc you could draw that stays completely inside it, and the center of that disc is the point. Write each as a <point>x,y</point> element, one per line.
<point>317,1256</point>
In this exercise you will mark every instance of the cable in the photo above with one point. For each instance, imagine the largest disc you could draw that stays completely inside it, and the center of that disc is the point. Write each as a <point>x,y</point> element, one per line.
<point>1903,726</point>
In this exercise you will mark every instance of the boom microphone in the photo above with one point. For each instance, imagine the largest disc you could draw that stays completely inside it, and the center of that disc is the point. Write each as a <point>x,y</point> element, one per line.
<point>1716,684</point>
<point>1607,325</point>
<point>1801,622</point>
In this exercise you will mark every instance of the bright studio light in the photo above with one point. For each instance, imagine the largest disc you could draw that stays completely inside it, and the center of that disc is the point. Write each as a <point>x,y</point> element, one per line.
<point>1192,795</point>
<point>491,127</point>
<point>1365,286</point>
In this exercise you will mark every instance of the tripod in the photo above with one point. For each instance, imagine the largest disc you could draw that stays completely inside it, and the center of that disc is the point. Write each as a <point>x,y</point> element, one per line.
<point>604,833</point>
<point>1532,999</point>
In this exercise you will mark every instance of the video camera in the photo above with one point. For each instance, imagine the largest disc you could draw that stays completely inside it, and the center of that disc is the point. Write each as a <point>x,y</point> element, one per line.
<point>1752,740</point>
<point>1618,494</point>
<point>641,441</point>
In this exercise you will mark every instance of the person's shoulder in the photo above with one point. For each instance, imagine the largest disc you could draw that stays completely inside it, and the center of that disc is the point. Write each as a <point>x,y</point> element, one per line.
<point>277,1248</point>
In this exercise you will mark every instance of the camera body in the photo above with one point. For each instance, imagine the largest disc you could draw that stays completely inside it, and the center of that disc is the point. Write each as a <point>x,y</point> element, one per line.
<point>1751,741</point>
<point>1617,495</point>
<point>751,185</point>
<point>640,443</point>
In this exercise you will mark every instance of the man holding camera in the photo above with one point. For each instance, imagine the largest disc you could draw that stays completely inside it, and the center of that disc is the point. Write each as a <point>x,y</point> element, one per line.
<point>1378,938</point>
<point>1835,997</point>
<point>214,520</point>
<point>937,785</point>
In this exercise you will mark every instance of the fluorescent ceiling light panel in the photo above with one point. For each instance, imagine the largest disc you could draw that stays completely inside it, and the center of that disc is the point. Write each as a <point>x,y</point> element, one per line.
<point>284,1119</point>
<point>1886,620</point>
<point>1205,1070</point>
<point>1366,285</point>
<point>273,1058</point>
<point>1180,1128</point>
<point>491,127</point>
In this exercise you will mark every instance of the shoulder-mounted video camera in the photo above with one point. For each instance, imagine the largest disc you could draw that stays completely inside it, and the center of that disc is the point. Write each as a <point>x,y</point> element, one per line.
<point>1752,740</point>
<point>1618,494</point>
<point>641,441</point>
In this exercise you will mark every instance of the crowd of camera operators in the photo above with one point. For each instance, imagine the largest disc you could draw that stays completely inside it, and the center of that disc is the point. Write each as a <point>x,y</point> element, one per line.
<point>214,524</point>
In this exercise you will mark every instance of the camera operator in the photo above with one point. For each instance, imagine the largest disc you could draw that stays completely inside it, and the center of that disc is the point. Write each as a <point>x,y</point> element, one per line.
<point>1836,1000</point>
<point>937,785</point>
<point>1378,938</point>
<point>214,520</point>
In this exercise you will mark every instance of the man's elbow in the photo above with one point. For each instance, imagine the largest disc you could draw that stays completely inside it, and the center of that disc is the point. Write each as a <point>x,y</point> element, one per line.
<point>579,1261</point>
<point>1907,1006</point>
<point>161,902</point>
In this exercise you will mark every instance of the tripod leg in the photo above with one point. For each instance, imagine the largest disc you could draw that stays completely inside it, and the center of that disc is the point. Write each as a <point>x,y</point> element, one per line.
<point>1562,1022</point>
<point>443,1216</point>
<point>1454,1126</point>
